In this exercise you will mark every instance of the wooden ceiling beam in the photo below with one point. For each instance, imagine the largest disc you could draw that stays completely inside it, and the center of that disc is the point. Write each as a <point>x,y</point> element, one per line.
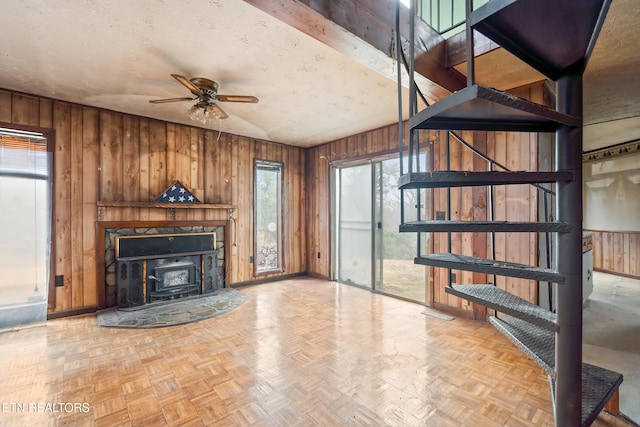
<point>363,30</point>
<point>456,50</point>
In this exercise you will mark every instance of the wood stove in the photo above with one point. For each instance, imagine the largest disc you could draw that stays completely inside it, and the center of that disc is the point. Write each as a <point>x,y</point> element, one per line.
<point>173,277</point>
<point>165,267</point>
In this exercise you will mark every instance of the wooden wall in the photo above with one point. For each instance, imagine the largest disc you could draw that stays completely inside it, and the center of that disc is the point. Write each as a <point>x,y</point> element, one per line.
<point>517,151</point>
<point>617,252</point>
<point>109,156</point>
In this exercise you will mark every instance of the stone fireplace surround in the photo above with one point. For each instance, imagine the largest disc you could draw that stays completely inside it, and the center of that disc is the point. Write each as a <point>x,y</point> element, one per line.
<point>109,230</point>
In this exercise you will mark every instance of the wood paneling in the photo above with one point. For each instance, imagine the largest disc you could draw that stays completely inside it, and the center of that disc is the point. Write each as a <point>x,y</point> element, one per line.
<point>5,107</point>
<point>25,110</point>
<point>617,252</point>
<point>244,222</point>
<point>110,156</point>
<point>479,198</point>
<point>76,201</point>
<point>518,151</point>
<point>143,161</point>
<point>91,156</point>
<point>62,214</point>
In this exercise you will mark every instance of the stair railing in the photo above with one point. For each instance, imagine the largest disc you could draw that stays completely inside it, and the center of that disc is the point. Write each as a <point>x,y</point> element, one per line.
<point>471,69</point>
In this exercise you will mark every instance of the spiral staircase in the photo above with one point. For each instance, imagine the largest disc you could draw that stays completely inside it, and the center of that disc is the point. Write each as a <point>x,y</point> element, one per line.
<point>555,38</point>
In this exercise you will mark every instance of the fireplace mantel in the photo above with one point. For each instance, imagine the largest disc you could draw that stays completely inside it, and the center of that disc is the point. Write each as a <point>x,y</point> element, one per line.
<point>164,205</point>
<point>160,205</point>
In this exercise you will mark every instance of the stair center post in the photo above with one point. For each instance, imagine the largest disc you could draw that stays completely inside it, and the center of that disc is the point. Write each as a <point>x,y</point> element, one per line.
<point>568,256</point>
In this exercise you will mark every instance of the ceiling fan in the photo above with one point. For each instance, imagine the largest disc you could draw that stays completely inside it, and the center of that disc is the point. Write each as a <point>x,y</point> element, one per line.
<point>206,93</point>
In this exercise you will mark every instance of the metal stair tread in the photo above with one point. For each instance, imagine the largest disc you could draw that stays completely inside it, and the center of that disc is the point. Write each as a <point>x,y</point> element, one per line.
<point>598,384</point>
<point>536,342</point>
<point>480,108</point>
<point>497,226</point>
<point>442,179</point>
<point>489,266</point>
<point>542,33</point>
<point>505,302</point>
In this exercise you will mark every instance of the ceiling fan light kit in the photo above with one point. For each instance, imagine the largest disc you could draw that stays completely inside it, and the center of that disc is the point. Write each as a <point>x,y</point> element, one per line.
<point>205,92</point>
<point>203,113</point>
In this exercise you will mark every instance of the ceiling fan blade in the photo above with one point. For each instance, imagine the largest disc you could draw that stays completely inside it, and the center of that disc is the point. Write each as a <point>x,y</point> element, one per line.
<point>219,112</point>
<point>186,83</point>
<point>162,101</point>
<point>237,98</point>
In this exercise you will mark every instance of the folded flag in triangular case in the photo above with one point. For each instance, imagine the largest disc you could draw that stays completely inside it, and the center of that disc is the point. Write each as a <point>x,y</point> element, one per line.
<point>177,193</point>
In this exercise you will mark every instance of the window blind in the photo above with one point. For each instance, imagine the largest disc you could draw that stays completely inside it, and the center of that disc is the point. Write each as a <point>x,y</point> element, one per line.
<point>23,154</point>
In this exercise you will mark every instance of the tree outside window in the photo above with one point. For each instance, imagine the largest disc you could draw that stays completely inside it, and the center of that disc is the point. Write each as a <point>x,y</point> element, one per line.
<point>268,217</point>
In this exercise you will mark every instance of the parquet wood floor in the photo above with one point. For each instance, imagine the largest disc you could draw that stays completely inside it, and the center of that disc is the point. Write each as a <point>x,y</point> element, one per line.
<point>302,352</point>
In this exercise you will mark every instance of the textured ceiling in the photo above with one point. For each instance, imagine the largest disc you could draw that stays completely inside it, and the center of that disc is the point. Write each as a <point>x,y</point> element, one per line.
<point>119,54</point>
<point>611,86</point>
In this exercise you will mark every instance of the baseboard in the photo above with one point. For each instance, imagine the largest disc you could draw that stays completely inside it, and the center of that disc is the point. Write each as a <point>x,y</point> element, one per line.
<point>617,273</point>
<point>72,312</point>
<point>267,280</point>
<point>458,312</point>
<point>319,276</point>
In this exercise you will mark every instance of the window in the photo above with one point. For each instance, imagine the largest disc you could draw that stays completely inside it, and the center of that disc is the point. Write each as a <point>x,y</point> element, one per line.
<point>268,217</point>
<point>445,16</point>
<point>25,221</point>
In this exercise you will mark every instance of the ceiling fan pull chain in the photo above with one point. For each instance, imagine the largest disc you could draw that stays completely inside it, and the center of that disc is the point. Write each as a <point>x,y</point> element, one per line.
<point>219,129</point>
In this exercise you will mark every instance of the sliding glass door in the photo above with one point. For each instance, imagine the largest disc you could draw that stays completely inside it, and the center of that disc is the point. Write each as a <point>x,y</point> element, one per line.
<point>370,251</point>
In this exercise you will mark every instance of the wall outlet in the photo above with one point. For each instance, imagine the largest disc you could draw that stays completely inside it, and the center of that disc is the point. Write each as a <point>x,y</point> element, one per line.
<point>318,255</point>
<point>59,280</point>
